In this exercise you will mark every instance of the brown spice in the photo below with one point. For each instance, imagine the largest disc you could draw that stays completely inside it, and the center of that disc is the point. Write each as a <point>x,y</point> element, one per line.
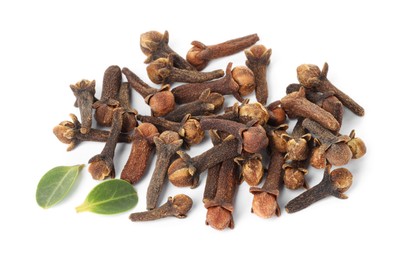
<point>141,151</point>
<point>129,117</point>
<point>84,92</point>
<point>162,71</point>
<point>251,168</point>
<point>200,54</point>
<point>258,58</point>
<point>177,207</point>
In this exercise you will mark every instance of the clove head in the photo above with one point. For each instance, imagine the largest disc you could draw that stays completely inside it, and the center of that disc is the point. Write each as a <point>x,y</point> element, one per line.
<point>264,204</point>
<point>309,75</point>
<point>339,154</point>
<point>150,41</point>
<point>193,56</point>
<point>65,133</point>
<point>297,148</point>
<point>180,174</point>
<point>342,179</point>
<point>219,218</point>
<point>181,204</point>
<point>254,111</point>
<point>252,170</point>
<point>318,158</point>
<point>255,139</point>
<point>244,77</point>
<point>277,139</point>
<point>162,102</point>
<point>294,177</point>
<point>101,167</point>
<point>159,70</point>
<point>358,147</point>
<point>277,116</point>
<point>193,131</point>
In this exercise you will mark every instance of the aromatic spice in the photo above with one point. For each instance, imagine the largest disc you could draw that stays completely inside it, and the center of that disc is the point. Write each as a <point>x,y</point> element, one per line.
<point>258,58</point>
<point>177,207</point>
<point>200,54</point>
<point>84,92</point>
<point>333,183</point>
<point>251,168</point>
<point>56,184</point>
<point>237,82</point>
<point>162,71</point>
<point>69,133</point>
<point>110,197</point>
<point>166,144</point>
<point>141,151</point>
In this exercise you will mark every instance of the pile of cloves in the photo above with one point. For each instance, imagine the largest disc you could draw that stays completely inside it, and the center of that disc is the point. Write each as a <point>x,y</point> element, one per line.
<point>251,141</point>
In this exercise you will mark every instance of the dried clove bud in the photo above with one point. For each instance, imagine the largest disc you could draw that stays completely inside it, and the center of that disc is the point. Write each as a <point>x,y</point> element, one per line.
<point>129,117</point>
<point>200,54</point>
<point>177,207</point>
<point>219,215</point>
<point>258,58</point>
<point>189,128</point>
<point>277,115</point>
<point>294,174</point>
<point>356,145</point>
<point>251,138</point>
<point>162,71</point>
<point>277,137</point>
<point>253,111</point>
<point>333,183</point>
<point>101,165</point>
<point>251,168</point>
<point>237,82</point>
<point>185,170</point>
<point>310,76</point>
<point>141,151</point>
<point>155,45</point>
<point>166,144</point>
<point>207,103</point>
<point>298,143</point>
<point>84,92</point>
<point>69,133</point>
<point>161,100</point>
<point>296,105</point>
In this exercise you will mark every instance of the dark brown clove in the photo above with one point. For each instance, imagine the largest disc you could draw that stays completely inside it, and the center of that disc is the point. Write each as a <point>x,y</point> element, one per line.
<point>333,148</point>
<point>161,100</point>
<point>207,103</point>
<point>185,171</point>
<point>155,45</point>
<point>333,183</point>
<point>189,128</point>
<point>237,82</point>
<point>174,207</point>
<point>296,105</point>
<point>162,71</point>
<point>84,92</point>
<point>166,145</point>
<point>69,133</point>
<point>265,204</point>
<point>251,138</point>
<point>129,117</point>
<point>112,81</point>
<point>101,165</point>
<point>200,54</point>
<point>140,154</point>
<point>220,208</point>
<point>310,76</point>
<point>258,58</point>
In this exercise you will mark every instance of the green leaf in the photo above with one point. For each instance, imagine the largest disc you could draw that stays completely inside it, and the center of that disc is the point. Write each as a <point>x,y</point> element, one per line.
<point>110,197</point>
<point>55,184</point>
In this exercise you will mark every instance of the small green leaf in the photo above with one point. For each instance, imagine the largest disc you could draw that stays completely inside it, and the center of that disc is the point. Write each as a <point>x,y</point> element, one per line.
<point>55,184</point>
<point>110,197</point>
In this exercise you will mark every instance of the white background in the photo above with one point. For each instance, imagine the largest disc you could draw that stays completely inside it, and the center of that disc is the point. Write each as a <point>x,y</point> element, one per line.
<point>47,45</point>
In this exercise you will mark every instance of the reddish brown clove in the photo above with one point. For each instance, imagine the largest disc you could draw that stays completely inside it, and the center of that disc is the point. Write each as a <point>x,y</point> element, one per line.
<point>200,54</point>
<point>161,100</point>
<point>333,183</point>
<point>237,82</point>
<point>174,207</point>
<point>294,174</point>
<point>258,58</point>
<point>141,151</point>
<point>310,76</point>
<point>189,128</point>
<point>265,203</point>
<point>219,215</point>
<point>298,143</point>
<point>69,133</point>
<point>166,144</point>
<point>356,145</point>
<point>84,92</point>
<point>277,115</point>
<point>296,105</point>
<point>155,45</point>
<point>185,171</point>
<point>251,138</point>
<point>162,71</point>
<point>251,168</point>
<point>206,104</point>
<point>101,165</point>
